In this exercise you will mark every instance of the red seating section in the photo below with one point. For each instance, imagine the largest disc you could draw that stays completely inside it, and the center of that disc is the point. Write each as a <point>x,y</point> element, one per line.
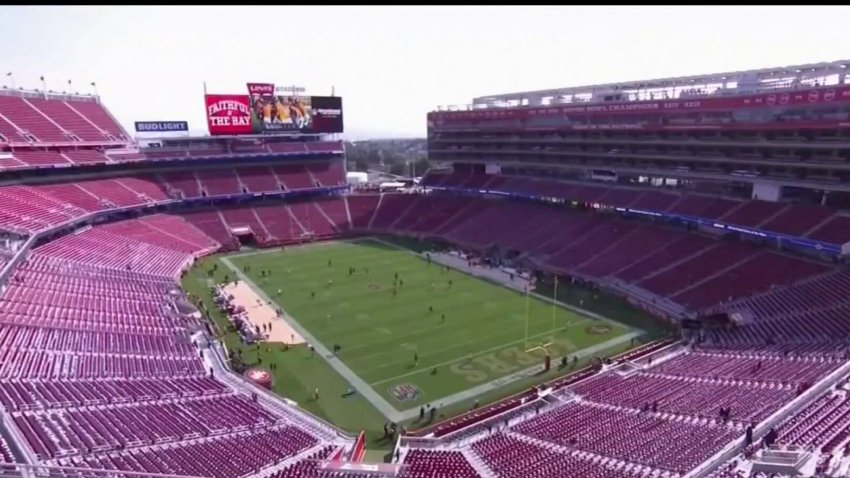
<point>68,119</point>
<point>95,306</point>
<point>99,116</point>
<point>55,120</point>
<point>835,230</point>
<point>653,258</point>
<point>362,209</point>
<point>97,369</point>
<point>29,209</point>
<point>258,179</point>
<point>696,271</point>
<point>799,220</point>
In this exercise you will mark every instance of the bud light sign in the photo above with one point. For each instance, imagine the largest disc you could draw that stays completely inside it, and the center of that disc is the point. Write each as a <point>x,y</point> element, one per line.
<point>161,126</point>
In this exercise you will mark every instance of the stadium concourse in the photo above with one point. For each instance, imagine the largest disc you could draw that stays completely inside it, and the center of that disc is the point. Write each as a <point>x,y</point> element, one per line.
<point>105,364</point>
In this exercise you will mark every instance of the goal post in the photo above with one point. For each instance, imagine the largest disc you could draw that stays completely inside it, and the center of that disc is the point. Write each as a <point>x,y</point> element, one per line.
<point>531,346</point>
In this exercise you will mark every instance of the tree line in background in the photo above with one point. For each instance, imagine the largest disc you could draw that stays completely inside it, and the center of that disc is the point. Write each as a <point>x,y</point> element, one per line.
<point>401,157</point>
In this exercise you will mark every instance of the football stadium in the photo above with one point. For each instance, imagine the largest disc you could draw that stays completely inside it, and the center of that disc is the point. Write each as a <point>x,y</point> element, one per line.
<point>638,279</point>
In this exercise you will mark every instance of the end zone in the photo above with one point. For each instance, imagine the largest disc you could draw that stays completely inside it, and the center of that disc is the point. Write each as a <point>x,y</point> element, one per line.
<point>260,313</point>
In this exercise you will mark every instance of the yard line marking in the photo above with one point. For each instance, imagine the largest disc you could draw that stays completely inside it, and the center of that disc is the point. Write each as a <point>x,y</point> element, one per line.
<point>432,330</point>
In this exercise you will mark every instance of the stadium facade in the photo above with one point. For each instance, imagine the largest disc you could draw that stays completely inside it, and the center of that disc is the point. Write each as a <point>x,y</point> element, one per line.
<point>771,128</point>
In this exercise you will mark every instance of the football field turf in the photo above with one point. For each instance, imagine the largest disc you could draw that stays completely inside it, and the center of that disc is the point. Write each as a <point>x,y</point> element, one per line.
<point>465,331</point>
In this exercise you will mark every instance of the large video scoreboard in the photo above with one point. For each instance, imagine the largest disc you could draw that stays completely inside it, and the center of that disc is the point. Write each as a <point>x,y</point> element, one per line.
<point>263,111</point>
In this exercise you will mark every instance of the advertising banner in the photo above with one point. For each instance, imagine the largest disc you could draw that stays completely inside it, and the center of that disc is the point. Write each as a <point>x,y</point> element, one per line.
<point>161,126</point>
<point>228,114</point>
<point>261,89</point>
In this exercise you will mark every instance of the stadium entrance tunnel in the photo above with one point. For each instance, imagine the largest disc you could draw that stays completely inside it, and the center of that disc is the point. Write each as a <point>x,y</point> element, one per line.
<point>246,237</point>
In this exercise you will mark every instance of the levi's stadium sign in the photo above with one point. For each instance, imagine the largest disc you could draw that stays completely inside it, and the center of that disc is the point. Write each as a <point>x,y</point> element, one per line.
<point>263,89</point>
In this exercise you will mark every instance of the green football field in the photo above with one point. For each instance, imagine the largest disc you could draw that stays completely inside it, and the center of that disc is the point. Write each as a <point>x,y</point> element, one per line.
<point>429,334</point>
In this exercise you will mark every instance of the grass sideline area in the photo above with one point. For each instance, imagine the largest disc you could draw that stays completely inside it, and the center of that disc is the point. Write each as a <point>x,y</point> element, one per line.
<point>481,338</point>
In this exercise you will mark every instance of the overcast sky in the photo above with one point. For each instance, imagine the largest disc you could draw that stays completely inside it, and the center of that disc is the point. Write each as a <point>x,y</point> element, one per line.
<point>392,65</point>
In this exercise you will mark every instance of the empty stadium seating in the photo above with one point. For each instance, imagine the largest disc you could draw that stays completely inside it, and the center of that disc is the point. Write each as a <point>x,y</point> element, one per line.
<point>212,223</point>
<point>96,368</point>
<point>362,209</point>
<point>513,457</point>
<point>5,452</point>
<point>28,209</point>
<point>78,430</point>
<point>823,424</point>
<point>696,271</point>
<point>232,455</point>
<point>816,222</point>
<point>812,309</point>
<point>653,258</point>
<point>835,230</point>
<point>104,248</point>
<point>438,463</point>
<point>258,179</point>
<point>700,396</point>
<point>664,419</point>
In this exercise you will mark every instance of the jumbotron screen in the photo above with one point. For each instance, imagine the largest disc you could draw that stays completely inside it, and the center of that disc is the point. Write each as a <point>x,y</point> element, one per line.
<point>262,111</point>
